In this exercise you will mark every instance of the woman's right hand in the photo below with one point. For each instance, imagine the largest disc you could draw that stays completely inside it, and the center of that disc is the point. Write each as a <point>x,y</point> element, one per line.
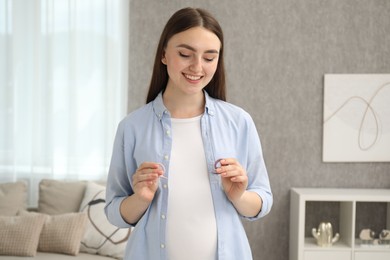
<point>145,180</point>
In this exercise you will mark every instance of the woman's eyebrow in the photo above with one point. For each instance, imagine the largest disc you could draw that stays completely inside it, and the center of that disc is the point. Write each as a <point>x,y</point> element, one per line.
<point>194,50</point>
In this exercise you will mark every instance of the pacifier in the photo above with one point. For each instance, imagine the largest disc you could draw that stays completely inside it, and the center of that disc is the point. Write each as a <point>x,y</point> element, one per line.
<point>162,167</point>
<point>217,164</point>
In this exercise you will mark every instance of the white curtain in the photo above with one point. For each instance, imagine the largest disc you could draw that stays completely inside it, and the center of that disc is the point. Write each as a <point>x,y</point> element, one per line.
<point>63,87</point>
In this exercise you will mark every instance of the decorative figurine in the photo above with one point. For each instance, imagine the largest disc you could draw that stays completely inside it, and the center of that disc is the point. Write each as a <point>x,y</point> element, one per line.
<point>384,237</point>
<point>324,235</point>
<point>367,236</point>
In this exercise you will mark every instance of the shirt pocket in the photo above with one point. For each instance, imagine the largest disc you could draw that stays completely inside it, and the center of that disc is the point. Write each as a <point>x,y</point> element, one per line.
<point>145,153</point>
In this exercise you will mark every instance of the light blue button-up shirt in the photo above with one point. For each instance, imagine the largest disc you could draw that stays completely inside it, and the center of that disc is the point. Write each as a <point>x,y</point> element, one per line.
<point>144,135</point>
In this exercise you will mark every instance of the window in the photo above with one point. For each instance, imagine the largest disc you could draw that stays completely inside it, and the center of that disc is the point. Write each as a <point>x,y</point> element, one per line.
<point>63,87</point>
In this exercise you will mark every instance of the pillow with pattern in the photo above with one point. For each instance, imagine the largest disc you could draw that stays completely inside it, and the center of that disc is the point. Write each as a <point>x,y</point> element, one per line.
<point>20,234</point>
<point>61,233</point>
<point>101,237</point>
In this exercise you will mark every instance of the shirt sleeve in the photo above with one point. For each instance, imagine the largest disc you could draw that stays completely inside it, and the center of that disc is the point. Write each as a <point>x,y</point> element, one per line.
<point>258,180</point>
<point>118,184</point>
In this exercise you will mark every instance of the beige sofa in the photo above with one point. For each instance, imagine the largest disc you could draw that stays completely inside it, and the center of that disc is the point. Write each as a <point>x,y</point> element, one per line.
<point>69,223</point>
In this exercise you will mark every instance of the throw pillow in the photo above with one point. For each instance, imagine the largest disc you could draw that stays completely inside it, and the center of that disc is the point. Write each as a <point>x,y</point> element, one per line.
<point>20,234</point>
<point>101,237</point>
<point>59,197</point>
<point>13,197</point>
<point>62,233</point>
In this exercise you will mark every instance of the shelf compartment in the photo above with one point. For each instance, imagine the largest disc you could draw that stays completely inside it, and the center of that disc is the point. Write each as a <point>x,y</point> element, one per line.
<point>326,255</point>
<point>372,255</point>
<point>342,208</point>
<point>376,220</point>
<point>339,214</point>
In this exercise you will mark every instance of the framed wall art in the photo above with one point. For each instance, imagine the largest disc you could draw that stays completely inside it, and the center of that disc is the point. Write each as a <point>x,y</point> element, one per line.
<point>356,123</point>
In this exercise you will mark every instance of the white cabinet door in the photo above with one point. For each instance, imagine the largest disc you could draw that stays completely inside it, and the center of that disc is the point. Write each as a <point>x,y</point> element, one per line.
<point>372,255</point>
<point>328,255</point>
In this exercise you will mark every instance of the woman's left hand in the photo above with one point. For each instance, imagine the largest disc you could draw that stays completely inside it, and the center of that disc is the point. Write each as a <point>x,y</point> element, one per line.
<point>234,178</point>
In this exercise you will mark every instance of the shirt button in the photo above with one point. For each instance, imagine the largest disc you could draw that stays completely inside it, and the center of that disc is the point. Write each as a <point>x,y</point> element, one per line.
<point>163,216</point>
<point>162,246</point>
<point>168,132</point>
<point>166,157</point>
<point>165,186</point>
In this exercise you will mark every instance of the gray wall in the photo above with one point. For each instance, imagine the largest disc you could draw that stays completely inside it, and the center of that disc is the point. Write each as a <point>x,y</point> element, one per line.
<point>277,52</point>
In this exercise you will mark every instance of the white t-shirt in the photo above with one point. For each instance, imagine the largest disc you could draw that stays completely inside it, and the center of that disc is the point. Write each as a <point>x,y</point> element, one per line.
<point>191,225</point>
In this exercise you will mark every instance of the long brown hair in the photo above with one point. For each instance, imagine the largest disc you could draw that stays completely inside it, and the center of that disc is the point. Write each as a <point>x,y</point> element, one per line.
<point>180,21</point>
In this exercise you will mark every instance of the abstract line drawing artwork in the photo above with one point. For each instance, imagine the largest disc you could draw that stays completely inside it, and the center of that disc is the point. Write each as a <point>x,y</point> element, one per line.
<point>356,124</point>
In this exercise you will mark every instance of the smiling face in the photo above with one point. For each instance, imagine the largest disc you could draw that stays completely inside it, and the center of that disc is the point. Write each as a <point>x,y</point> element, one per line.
<point>191,58</point>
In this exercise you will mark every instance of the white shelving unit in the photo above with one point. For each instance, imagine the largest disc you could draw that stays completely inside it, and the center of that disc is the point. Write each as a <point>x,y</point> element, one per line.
<point>348,247</point>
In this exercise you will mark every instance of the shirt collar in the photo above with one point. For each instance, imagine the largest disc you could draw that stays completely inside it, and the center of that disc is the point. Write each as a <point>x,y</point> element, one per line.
<point>210,102</point>
<point>160,109</point>
<point>158,106</point>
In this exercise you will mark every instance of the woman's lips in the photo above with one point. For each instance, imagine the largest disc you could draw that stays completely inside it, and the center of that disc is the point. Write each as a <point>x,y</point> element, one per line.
<point>192,77</point>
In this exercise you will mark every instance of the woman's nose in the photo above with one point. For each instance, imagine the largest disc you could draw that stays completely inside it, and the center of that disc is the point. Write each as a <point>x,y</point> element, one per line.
<point>196,64</point>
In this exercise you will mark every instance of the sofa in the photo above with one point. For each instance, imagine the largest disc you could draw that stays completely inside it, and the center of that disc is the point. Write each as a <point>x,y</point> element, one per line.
<point>68,223</point>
